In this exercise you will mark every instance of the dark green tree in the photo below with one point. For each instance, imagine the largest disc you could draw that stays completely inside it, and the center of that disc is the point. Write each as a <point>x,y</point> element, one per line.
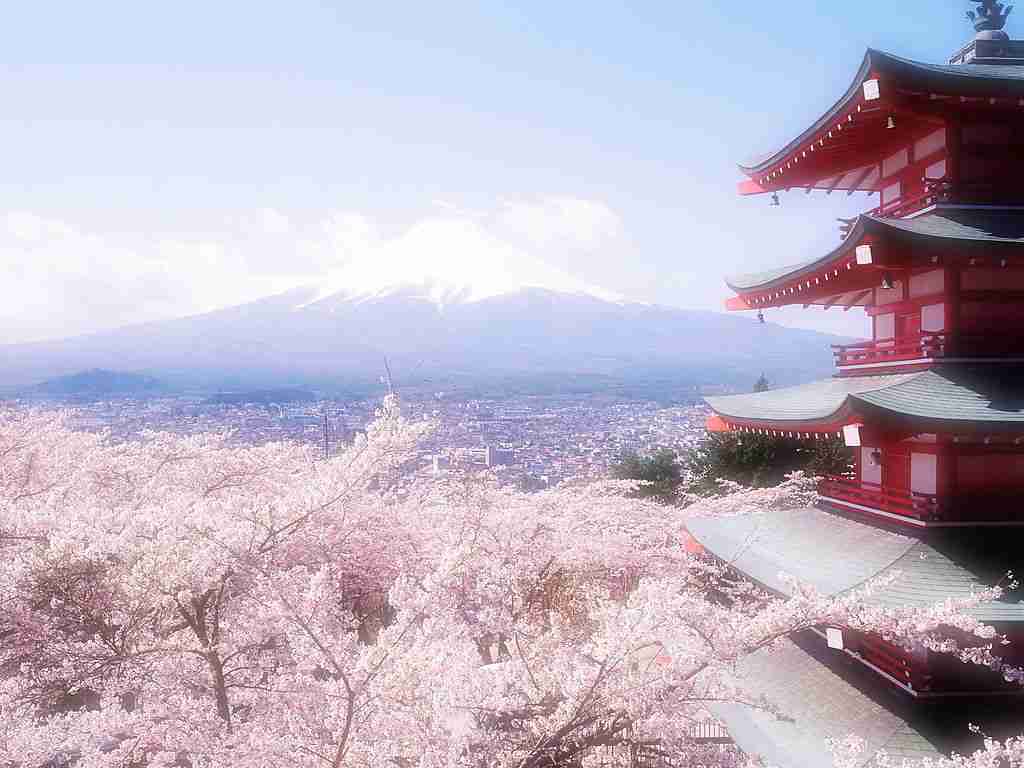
<point>661,471</point>
<point>760,461</point>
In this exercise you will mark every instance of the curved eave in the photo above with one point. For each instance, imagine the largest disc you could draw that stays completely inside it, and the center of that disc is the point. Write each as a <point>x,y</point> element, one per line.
<point>894,74</point>
<point>947,232</point>
<point>764,164</point>
<point>951,399</point>
<point>957,399</point>
<point>783,277</point>
<point>818,407</point>
<point>900,420</point>
<point>813,547</point>
<point>799,429</point>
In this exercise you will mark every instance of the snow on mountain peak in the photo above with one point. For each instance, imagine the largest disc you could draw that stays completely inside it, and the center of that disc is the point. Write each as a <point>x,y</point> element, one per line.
<point>446,261</point>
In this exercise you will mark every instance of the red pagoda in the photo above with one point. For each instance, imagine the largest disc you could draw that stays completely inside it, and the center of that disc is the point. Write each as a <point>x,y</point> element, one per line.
<point>932,405</point>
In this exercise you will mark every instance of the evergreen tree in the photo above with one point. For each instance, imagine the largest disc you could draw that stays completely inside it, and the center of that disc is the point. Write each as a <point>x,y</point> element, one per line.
<point>759,461</point>
<point>661,471</point>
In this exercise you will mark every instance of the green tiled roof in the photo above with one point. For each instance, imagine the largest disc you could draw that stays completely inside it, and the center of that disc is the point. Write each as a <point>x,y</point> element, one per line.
<point>990,396</point>
<point>958,75</point>
<point>954,80</point>
<point>957,223</point>
<point>980,396</point>
<point>752,280</point>
<point>806,402</point>
<point>817,705</point>
<point>836,555</point>
<point>946,222</point>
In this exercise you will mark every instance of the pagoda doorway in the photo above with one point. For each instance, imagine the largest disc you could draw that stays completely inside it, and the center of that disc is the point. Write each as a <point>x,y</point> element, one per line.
<point>896,472</point>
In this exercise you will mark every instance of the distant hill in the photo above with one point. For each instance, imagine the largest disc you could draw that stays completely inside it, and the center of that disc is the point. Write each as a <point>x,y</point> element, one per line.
<point>262,397</point>
<point>306,339</point>
<point>99,383</point>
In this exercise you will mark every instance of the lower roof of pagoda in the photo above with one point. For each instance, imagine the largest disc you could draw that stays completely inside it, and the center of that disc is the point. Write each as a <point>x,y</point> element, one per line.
<point>836,555</point>
<point>816,703</point>
<point>946,234</point>
<point>946,398</point>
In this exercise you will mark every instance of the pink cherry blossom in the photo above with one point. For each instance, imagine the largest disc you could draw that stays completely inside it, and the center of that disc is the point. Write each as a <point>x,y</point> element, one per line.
<point>178,601</point>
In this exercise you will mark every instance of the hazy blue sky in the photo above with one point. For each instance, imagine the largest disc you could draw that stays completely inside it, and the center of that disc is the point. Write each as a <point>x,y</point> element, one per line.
<point>166,159</point>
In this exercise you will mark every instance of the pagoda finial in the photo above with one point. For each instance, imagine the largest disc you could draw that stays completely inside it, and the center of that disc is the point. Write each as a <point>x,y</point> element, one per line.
<point>989,18</point>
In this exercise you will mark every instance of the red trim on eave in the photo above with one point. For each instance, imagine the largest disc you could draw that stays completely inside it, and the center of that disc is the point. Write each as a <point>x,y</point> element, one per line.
<point>750,187</point>
<point>828,280</point>
<point>716,423</point>
<point>784,428</point>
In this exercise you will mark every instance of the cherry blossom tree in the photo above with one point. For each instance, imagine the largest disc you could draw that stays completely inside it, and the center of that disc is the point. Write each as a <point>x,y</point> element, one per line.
<point>174,601</point>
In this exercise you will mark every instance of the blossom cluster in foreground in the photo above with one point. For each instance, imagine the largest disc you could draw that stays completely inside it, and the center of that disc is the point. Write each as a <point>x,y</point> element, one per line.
<point>178,601</point>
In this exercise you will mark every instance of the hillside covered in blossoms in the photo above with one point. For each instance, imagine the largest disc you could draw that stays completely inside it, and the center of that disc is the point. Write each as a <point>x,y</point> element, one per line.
<point>179,601</point>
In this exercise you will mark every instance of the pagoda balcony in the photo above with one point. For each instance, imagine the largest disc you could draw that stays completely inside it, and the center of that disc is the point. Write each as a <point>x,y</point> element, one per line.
<point>921,509</point>
<point>926,347</point>
<point>938,191</point>
<point>905,504</point>
<point>911,204</point>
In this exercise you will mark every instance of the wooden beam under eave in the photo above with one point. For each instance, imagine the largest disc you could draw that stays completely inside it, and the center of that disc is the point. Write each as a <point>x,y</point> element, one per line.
<point>860,179</point>
<point>831,302</point>
<point>916,112</point>
<point>857,300</point>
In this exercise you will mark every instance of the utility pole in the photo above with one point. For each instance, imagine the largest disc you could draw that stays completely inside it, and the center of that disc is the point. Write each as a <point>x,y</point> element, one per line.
<point>326,431</point>
<point>388,380</point>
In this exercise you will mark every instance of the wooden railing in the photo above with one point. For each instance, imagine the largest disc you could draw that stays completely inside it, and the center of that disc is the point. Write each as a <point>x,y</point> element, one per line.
<point>924,345</point>
<point>928,346</point>
<point>900,207</point>
<point>946,191</point>
<point>891,659</point>
<point>709,732</point>
<point>972,507</point>
<point>915,506</point>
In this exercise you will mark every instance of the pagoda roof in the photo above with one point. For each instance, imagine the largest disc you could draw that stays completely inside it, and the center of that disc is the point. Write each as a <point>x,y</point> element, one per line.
<point>816,704</point>
<point>819,401</point>
<point>944,225</point>
<point>836,555</point>
<point>981,398</point>
<point>895,75</point>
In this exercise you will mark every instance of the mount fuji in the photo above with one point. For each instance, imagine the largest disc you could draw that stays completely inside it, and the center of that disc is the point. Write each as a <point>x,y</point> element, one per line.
<point>466,264</point>
<point>460,315</point>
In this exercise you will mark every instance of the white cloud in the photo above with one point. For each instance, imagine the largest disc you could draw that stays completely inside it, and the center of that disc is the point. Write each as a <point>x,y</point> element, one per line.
<point>560,223</point>
<point>446,257</point>
<point>273,222</point>
<point>262,222</point>
<point>61,280</point>
<point>350,234</point>
<point>30,228</point>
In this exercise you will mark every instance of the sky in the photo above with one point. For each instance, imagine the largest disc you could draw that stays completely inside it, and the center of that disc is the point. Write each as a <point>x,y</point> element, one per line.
<point>166,160</point>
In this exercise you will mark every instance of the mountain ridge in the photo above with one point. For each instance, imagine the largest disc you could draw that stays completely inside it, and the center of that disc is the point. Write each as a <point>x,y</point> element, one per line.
<point>287,337</point>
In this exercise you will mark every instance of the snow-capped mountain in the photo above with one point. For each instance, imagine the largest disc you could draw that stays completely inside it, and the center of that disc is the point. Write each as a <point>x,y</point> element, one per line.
<point>465,265</point>
<point>343,329</point>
